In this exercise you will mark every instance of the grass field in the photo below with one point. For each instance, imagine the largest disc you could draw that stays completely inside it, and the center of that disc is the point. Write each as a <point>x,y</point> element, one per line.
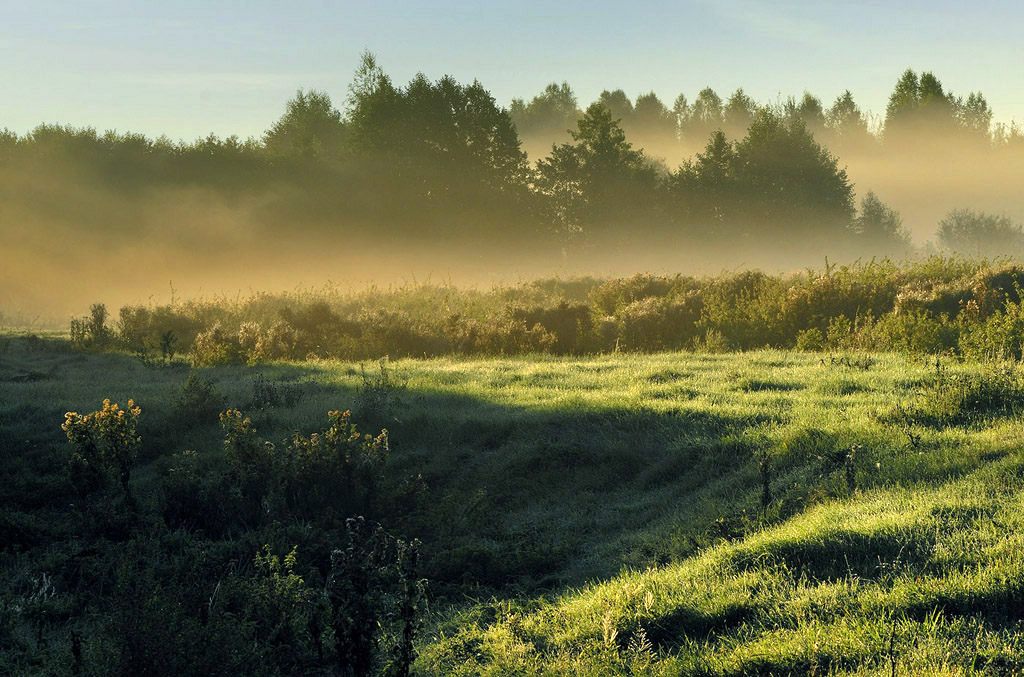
<point>750,513</point>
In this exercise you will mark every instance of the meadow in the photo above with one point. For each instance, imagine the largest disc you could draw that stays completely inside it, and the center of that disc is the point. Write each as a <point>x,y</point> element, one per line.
<point>490,443</point>
<point>758,512</point>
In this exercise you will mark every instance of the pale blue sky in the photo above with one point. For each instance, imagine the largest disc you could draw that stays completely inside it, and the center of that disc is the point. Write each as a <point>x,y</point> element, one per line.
<point>191,67</point>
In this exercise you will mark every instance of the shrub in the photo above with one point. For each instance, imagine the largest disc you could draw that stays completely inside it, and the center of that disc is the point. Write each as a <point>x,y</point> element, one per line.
<point>659,323</point>
<point>390,332</point>
<point>946,298</point>
<point>814,301</point>
<point>103,442</point>
<point>215,346</point>
<point>915,332</point>
<point>91,332</point>
<point>498,336</point>
<point>613,295</point>
<point>999,336</point>
<point>315,329</point>
<point>746,308</point>
<point>197,402</point>
<point>196,495</point>
<point>570,324</point>
<point>924,306</point>
<point>713,341</point>
<point>168,340</point>
<point>134,327</point>
<point>810,340</point>
<point>280,341</point>
<point>335,471</point>
<point>374,597</point>
<point>994,287</point>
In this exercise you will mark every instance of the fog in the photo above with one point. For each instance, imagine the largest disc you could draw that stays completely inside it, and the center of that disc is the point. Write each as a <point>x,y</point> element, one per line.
<point>406,187</point>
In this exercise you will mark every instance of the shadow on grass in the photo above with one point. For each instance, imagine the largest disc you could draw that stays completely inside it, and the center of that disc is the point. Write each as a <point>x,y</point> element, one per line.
<point>515,494</point>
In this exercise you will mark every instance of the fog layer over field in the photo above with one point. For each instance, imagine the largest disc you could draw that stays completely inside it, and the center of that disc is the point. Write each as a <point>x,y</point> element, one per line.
<point>435,181</point>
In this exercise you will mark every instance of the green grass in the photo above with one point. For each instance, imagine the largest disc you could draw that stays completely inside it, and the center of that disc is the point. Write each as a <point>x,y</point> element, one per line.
<point>605,515</point>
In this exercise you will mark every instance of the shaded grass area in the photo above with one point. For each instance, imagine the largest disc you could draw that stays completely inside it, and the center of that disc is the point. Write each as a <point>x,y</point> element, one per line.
<point>609,513</point>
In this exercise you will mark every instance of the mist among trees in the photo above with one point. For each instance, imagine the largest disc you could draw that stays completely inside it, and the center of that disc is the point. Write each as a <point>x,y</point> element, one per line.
<point>440,167</point>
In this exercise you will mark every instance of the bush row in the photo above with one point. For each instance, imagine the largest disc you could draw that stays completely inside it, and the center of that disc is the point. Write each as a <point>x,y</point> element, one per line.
<point>972,307</point>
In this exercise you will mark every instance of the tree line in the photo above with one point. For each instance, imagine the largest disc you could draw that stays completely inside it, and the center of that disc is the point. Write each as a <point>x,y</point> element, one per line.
<point>441,161</point>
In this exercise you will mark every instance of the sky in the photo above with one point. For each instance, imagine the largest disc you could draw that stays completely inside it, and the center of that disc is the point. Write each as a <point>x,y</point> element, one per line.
<point>190,68</point>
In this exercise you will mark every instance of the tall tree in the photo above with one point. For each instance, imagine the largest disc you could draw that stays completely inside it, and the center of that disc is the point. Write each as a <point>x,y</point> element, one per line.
<point>776,183</point>
<point>618,104</point>
<point>975,116</point>
<point>598,184</point>
<point>791,183</point>
<point>738,114</point>
<point>880,228</point>
<point>920,109</point>
<point>809,111</point>
<point>439,150</point>
<point>903,103</point>
<point>705,116</point>
<point>311,128</point>
<point>845,123</point>
<point>703,189</point>
<point>549,115</point>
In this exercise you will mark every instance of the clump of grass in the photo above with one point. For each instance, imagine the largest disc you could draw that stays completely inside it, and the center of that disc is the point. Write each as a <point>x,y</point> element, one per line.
<point>267,393</point>
<point>841,387</point>
<point>964,399</point>
<point>381,392</point>
<point>861,362</point>
<point>756,385</point>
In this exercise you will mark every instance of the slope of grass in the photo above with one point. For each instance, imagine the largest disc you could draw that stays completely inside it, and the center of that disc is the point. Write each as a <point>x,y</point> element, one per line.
<point>677,513</point>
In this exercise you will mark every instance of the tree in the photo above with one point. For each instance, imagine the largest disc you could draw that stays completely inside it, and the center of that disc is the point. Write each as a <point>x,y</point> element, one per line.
<point>880,227</point>
<point>845,123</point>
<point>791,182</point>
<point>652,117</point>
<point>443,153</point>
<point>618,104</point>
<point>310,128</point>
<point>597,184</point>
<point>809,111</point>
<point>969,232</point>
<point>549,115</point>
<point>703,187</point>
<point>738,113</point>
<point>652,125</point>
<point>777,180</point>
<point>975,116</point>
<point>367,79</point>
<point>920,109</point>
<point>680,114</point>
<point>903,103</point>
<point>705,116</point>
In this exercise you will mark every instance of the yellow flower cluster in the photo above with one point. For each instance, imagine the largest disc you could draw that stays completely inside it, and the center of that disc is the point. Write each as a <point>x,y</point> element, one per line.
<point>105,438</point>
<point>111,423</point>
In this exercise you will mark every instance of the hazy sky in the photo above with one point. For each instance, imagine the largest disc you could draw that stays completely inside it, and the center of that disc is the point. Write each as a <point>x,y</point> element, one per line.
<point>191,67</point>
